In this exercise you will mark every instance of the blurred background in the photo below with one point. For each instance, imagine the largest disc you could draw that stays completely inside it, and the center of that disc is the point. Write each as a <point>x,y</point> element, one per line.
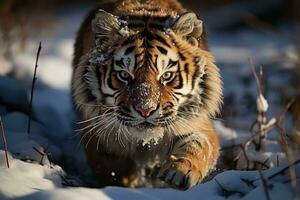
<point>265,31</point>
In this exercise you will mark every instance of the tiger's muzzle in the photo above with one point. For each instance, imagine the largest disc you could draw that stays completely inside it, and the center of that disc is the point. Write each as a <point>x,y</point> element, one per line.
<point>145,98</point>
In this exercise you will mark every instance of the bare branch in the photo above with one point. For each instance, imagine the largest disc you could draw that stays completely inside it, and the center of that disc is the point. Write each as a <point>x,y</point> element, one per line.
<point>41,153</point>
<point>281,115</point>
<point>292,169</point>
<point>246,156</point>
<point>265,185</point>
<point>272,123</point>
<point>5,143</point>
<point>283,170</point>
<point>225,192</point>
<point>251,65</point>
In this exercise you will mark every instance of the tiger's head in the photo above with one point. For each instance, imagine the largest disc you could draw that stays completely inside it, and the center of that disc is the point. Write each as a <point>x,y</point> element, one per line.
<point>149,72</point>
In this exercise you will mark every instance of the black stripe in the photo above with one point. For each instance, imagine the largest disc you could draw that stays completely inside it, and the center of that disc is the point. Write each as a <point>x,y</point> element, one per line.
<point>129,50</point>
<point>161,40</point>
<point>204,86</point>
<point>104,95</point>
<point>171,64</point>
<point>109,81</point>
<point>138,25</point>
<point>120,63</point>
<point>99,79</point>
<point>137,61</point>
<point>88,93</point>
<point>177,99</point>
<point>100,83</point>
<point>180,85</point>
<point>162,50</point>
<point>156,60</point>
<point>138,55</point>
<point>137,64</point>
<point>160,18</point>
<point>188,96</point>
<point>118,95</point>
<point>178,93</point>
<point>128,41</point>
<point>156,26</point>
<point>147,34</point>
<point>149,46</point>
<point>186,71</point>
<point>195,76</point>
<point>181,56</point>
<point>184,95</point>
<point>138,18</point>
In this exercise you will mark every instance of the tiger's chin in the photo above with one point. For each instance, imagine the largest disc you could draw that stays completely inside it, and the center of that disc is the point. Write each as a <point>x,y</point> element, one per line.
<point>146,133</point>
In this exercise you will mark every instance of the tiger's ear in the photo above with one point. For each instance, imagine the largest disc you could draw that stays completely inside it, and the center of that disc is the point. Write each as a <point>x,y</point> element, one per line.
<point>108,29</point>
<point>189,27</point>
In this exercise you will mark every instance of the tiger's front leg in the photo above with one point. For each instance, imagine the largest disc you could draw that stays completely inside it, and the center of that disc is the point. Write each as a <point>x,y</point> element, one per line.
<point>193,156</point>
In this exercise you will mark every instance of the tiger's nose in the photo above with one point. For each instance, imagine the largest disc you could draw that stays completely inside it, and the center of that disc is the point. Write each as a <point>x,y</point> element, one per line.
<point>145,112</point>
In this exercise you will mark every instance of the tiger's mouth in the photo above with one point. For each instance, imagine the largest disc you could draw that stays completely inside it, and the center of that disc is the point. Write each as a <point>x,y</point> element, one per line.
<point>147,123</point>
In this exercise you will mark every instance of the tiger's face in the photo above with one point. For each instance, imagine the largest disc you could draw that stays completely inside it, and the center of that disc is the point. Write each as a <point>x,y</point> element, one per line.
<point>150,83</point>
<point>147,74</point>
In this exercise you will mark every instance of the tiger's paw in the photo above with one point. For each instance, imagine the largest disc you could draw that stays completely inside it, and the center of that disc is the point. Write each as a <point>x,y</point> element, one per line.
<point>180,174</point>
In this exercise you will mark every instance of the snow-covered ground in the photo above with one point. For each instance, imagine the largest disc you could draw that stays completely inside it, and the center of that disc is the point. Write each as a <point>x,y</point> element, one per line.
<point>45,164</point>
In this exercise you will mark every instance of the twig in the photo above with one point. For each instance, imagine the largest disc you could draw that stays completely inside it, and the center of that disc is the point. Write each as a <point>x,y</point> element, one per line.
<point>283,170</point>
<point>246,156</point>
<point>32,87</point>
<point>250,183</point>
<point>284,111</point>
<point>292,169</point>
<point>280,172</point>
<point>257,80</point>
<point>261,107</point>
<point>265,185</point>
<point>226,193</point>
<point>5,143</point>
<point>244,145</point>
<point>272,123</point>
<point>41,153</point>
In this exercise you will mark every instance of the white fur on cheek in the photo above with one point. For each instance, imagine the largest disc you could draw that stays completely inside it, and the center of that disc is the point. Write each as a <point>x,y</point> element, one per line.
<point>129,60</point>
<point>162,62</point>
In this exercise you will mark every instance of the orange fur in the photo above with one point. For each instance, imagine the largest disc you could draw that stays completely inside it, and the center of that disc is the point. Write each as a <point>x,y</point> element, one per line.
<point>188,150</point>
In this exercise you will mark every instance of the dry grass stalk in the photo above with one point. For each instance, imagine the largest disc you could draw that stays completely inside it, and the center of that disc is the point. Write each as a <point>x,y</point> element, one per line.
<point>264,125</point>
<point>262,107</point>
<point>5,143</point>
<point>274,122</point>
<point>288,152</point>
<point>32,87</point>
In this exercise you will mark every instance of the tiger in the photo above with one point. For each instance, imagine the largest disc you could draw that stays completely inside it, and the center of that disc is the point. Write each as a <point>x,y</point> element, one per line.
<point>146,91</point>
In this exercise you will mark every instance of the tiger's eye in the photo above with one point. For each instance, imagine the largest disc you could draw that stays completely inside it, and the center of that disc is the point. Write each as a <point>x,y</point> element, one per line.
<point>123,76</point>
<point>167,76</point>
